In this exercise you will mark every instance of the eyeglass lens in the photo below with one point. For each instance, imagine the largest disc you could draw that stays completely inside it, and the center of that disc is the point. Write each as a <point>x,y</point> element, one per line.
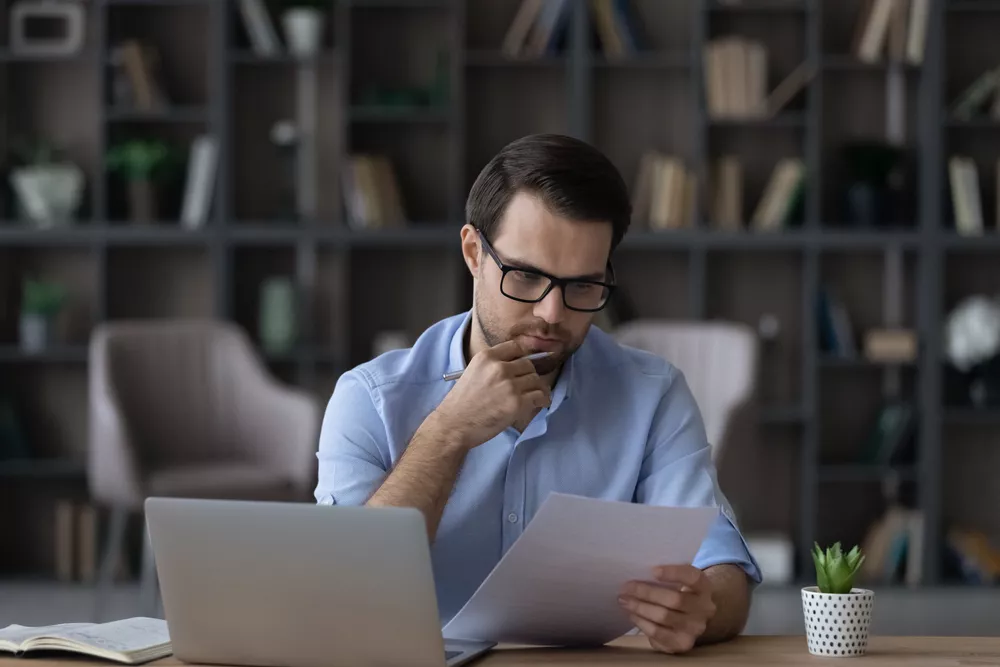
<point>529,286</point>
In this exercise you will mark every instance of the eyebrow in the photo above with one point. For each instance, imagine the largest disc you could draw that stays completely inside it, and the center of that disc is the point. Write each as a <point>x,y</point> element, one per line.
<point>517,264</point>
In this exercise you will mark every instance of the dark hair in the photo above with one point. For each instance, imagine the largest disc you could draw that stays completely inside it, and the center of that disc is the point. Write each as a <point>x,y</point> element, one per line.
<point>571,177</point>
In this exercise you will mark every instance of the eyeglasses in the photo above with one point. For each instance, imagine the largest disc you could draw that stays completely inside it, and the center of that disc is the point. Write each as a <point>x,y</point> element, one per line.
<point>531,286</point>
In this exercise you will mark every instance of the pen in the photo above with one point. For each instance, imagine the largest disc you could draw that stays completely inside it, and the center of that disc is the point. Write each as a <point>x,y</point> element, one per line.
<point>454,375</point>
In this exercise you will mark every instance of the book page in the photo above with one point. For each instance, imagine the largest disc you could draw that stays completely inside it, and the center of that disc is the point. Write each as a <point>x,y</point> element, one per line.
<point>125,636</point>
<point>15,634</point>
<point>559,583</point>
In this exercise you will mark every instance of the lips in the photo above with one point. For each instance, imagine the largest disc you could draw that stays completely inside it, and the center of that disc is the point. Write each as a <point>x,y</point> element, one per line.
<point>543,344</point>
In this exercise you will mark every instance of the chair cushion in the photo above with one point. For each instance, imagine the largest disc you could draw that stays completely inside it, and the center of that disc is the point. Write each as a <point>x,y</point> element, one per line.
<point>225,479</point>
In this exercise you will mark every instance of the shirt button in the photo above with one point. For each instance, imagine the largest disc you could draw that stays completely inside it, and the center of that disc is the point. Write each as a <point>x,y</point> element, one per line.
<point>512,517</point>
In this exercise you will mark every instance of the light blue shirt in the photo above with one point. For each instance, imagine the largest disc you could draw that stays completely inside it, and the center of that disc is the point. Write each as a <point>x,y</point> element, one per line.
<point>622,425</point>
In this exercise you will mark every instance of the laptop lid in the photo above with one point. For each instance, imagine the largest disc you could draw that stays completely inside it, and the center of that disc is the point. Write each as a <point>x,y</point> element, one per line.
<point>295,585</point>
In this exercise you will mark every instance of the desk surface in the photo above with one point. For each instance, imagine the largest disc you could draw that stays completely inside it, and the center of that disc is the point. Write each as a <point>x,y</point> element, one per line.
<point>750,651</point>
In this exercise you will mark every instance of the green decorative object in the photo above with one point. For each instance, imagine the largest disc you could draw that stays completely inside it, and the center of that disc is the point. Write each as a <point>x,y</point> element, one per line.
<point>41,302</point>
<point>137,159</point>
<point>143,165</point>
<point>277,319</point>
<point>835,570</point>
<point>42,298</point>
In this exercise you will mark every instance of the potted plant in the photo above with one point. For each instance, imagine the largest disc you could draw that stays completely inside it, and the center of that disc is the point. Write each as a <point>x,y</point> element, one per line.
<point>40,304</point>
<point>140,164</point>
<point>303,22</point>
<point>837,615</point>
<point>47,186</point>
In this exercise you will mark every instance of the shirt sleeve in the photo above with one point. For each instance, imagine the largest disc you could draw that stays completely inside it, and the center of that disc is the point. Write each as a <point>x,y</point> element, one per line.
<point>678,471</point>
<point>352,439</point>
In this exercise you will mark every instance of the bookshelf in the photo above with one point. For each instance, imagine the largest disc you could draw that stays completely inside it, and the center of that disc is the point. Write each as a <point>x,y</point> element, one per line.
<point>353,284</point>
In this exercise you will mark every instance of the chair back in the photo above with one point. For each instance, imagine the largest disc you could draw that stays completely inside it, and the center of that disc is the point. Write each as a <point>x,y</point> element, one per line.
<point>718,359</point>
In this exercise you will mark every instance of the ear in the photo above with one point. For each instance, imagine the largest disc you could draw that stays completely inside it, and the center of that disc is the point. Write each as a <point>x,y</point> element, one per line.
<point>471,250</point>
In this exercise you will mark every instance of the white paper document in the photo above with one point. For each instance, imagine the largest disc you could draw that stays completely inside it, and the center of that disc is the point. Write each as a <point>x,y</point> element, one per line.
<point>559,583</point>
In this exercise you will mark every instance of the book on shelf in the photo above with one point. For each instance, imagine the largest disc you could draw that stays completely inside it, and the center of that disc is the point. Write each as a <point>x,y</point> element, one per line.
<point>726,193</point>
<point>135,77</point>
<point>200,184</point>
<point>539,28</point>
<point>893,546</point>
<point>664,192</point>
<point>896,29</point>
<point>983,91</point>
<point>782,194</point>
<point>617,28</point>
<point>966,200</point>
<point>737,81</point>
<point>259,28</point>
<point>130,641</point>
<point>371,193</point>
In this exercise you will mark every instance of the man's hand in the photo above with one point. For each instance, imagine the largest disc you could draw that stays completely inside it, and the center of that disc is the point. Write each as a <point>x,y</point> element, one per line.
<point>674,611</point>
<point>497,387</point>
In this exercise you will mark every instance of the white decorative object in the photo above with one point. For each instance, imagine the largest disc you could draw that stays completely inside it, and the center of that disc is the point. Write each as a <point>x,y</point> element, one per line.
<point>390,340</point>
<point>972,332</point>
<point>27,39</point>
<point>48,194</point>
<point>837,624</point>
<point>34,332</point>
<point>303,30</point>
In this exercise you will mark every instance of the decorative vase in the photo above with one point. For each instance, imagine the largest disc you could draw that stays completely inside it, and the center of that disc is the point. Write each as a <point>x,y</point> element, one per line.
<point>277,330</point>
<point>142,200</point>
<point>837,624</point>
<point>303,31</point>
<point>34,329</point>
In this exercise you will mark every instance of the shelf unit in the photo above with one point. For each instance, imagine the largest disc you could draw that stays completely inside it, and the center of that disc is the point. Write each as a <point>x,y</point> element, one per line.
<point>353,284</point>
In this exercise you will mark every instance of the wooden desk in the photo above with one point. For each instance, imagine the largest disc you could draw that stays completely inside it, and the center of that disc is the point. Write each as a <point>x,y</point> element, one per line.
<point>750,651</point>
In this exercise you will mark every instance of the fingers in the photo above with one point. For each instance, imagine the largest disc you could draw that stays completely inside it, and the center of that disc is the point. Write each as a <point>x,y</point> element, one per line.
<point>693,624</point>
<point>688,601</point>
<point>506,351</point>
<point>533,390</point>
<point>538,398</point>
<point>685,575</point>
<point>520,366</point>
<point>663,639</point>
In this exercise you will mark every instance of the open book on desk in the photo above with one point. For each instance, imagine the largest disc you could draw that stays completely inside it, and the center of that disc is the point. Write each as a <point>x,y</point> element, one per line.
<point>558,585</point>
<point>131,641</point>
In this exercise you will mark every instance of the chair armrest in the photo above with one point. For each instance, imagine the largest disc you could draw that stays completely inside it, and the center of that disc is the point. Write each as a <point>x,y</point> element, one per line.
<point>113,473</point>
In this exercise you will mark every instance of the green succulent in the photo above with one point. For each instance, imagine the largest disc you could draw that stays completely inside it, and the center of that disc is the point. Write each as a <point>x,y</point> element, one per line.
<point>42,298</point>
<point>137,159</point>
<point>835,570</point>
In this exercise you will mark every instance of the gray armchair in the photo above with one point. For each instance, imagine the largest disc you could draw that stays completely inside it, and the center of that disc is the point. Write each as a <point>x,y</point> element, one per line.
<point>187,408</point>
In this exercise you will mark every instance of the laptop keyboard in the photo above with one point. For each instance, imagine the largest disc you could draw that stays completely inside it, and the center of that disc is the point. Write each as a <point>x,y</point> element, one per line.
<point>448,655</point>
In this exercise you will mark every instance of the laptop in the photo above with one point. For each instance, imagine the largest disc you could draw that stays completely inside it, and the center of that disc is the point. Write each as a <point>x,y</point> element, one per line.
<point>274,584</point>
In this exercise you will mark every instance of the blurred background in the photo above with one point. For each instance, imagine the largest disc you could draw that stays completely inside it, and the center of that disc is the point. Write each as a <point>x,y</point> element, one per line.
<point>212,208</point>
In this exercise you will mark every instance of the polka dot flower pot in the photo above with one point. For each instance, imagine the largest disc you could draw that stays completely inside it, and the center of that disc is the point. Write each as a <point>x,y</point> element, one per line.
<point>837,625</point>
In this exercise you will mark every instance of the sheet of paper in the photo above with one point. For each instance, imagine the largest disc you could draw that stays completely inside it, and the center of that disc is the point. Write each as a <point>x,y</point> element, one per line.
<point>15,634</point>
<point>559,583</point>
<point>124,636</point>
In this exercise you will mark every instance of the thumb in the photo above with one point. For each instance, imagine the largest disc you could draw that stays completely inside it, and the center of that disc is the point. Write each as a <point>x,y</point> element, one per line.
<point>507,351</point>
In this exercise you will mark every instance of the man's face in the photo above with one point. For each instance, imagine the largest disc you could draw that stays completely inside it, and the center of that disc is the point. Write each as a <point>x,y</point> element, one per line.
<point>532,237</point>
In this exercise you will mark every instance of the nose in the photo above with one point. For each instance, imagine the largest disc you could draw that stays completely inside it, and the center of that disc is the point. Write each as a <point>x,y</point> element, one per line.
<point>551,308</point>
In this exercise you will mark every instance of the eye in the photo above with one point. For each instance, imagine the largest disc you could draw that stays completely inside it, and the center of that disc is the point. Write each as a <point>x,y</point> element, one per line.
<point>525,277</point>
<point>584,288</point>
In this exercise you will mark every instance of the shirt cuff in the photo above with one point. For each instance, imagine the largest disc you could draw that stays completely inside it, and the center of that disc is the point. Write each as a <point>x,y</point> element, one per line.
<point>725,544</point>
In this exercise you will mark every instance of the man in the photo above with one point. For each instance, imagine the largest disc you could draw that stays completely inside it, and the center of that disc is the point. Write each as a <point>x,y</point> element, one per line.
<point>479,455</point>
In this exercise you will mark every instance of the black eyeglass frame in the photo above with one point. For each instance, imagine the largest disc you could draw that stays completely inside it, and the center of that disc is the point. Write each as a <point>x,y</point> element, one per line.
<point>553,280</point>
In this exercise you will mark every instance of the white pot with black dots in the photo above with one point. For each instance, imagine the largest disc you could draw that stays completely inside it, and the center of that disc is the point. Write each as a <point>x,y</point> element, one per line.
<point>837,624</point>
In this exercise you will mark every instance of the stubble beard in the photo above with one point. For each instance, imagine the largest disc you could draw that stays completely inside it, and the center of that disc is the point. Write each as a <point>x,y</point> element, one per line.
<point>494,334</point>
